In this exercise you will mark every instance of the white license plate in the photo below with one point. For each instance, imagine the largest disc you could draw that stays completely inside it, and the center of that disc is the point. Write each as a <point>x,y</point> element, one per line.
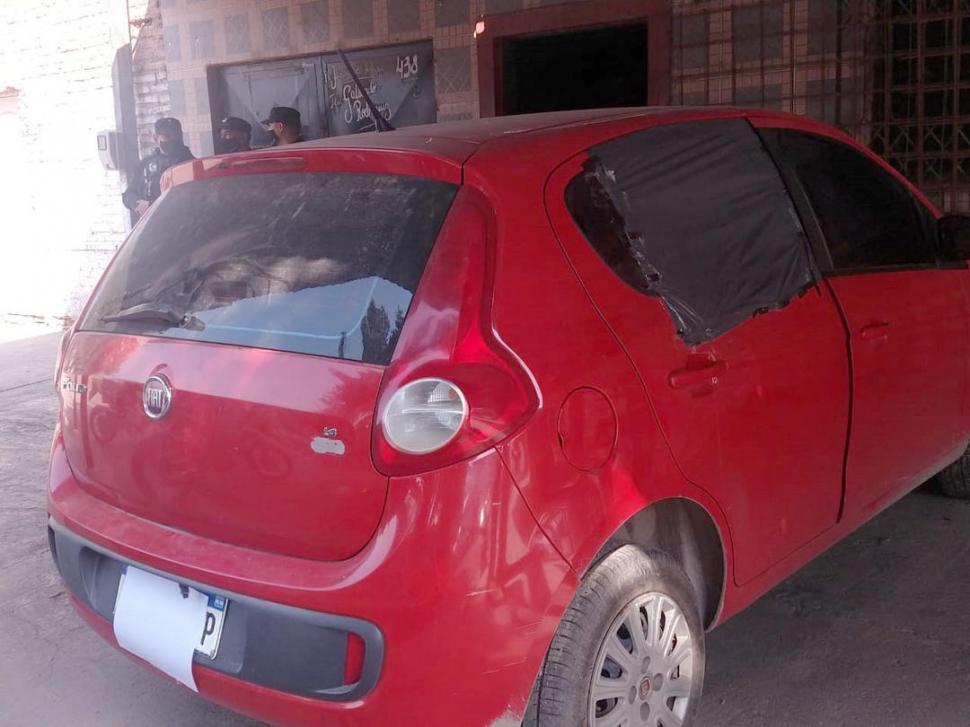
<point>207,641</point>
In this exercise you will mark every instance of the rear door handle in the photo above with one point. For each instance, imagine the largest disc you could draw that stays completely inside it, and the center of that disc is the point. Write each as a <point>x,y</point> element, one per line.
<point>875,331</point>
<point>696,375</point>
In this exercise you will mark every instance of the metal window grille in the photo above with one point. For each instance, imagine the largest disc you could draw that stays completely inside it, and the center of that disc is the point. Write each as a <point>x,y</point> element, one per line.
<point>893,73</point>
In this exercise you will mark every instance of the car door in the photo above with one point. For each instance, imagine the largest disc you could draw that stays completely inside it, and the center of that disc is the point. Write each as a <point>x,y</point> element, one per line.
<point>689,246</point>
<point>907,314</point>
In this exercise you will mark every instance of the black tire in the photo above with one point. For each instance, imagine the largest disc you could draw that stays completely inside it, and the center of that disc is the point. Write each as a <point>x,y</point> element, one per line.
<point>561,694</point>
<point>955,479</point>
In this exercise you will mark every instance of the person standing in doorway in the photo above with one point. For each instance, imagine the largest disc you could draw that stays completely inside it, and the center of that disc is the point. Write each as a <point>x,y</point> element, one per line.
<point>145,186</point>
<point>235,134</point>
<point>285,125</point>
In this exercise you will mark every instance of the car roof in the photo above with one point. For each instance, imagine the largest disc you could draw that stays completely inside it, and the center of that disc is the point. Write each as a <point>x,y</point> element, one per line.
<point>458,140</point>
<point>446,147</point>
<point>479,131</point>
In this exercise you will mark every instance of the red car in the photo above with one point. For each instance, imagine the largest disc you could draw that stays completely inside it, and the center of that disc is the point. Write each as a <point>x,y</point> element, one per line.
<point>486,423</point>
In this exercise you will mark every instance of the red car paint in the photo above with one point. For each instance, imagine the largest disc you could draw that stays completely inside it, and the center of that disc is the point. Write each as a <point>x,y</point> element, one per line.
<point>484,567</point>
<point>908,334</point>
<point>789,431</point>
<point>271,489</point>
<point>447,335</point>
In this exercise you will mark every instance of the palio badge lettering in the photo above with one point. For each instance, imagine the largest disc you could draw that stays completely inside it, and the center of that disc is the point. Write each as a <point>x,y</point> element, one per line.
<point>73,386</point>
<point>328,443</point>
<point>156,398</point>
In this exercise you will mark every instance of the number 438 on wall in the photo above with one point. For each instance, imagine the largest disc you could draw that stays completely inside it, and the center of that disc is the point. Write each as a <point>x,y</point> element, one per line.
<point>407,66</point>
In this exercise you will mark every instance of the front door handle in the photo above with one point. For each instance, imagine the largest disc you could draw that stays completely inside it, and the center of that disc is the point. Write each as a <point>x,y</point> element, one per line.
<point>875,331</point>
<point>705,374</point>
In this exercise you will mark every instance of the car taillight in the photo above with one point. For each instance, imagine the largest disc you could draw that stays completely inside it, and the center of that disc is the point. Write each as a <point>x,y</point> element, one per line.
<point>453,389</point>
<point>424,415</point>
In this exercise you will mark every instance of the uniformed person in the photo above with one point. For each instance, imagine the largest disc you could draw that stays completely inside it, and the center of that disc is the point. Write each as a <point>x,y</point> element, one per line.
<point>145,187</point>
<point>285,125</point>
<point>235,134</point>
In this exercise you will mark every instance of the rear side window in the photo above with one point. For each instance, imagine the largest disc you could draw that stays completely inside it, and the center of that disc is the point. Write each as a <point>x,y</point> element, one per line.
<point>868,217</point>
<point>697,215</point>
<point>322,264</point>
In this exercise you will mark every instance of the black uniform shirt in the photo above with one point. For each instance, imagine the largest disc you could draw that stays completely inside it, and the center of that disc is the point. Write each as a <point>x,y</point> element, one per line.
<point>147,183</point>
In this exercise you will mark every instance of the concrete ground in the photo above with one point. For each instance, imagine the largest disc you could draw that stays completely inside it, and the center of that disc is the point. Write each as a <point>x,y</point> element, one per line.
<point>14,331</point>
<point>875,632</point>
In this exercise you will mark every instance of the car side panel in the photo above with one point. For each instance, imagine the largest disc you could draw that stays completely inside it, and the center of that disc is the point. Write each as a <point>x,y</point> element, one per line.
<point>908,333</point>
<point>541,310</point>
<point>766,436</point>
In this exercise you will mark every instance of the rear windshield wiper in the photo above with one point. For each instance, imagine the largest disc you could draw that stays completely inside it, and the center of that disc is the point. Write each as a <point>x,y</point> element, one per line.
<point>154,312</point>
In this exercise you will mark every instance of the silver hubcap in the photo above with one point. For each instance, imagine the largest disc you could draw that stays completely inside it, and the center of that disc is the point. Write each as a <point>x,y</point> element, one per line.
<point>644,667</point>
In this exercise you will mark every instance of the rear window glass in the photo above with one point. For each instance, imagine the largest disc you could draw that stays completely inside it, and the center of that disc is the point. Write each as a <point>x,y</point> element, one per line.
<point>322,264</point>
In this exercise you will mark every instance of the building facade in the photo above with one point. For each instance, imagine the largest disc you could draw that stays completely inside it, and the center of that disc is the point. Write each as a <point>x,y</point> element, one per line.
<point>893,73</point>
<point>202,59</point>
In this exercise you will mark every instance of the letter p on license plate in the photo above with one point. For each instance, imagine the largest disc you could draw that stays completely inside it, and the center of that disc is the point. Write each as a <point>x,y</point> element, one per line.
<point>215,614</point>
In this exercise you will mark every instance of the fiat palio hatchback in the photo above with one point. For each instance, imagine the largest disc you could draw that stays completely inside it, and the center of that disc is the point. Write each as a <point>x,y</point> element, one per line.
<point>486,423</point>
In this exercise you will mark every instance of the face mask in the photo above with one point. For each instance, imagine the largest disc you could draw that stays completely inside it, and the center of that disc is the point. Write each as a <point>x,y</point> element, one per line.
<point>169,147</point>
<point>228,146</point>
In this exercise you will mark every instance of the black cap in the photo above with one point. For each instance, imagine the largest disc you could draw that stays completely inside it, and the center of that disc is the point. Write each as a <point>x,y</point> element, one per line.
<point>234,123</point>
<point>168,125</point>
<point>284,115</point>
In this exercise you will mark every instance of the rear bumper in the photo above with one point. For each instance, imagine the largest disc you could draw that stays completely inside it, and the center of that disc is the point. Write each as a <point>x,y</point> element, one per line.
<point>267,644</point>
<point>455,598</point>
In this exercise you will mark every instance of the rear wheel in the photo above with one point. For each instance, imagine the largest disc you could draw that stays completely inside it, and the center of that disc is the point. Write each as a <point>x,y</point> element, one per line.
<point>629,651</point>
<point>955,479</point>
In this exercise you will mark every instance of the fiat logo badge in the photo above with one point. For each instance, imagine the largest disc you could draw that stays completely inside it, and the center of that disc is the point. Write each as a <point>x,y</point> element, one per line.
<point>156,398</point>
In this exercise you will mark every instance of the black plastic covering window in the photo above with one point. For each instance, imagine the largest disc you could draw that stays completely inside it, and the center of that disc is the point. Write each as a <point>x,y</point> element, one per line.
<point>697,215</point>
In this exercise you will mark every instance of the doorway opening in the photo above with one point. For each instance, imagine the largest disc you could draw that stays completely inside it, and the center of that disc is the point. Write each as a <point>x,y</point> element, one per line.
<point>583,69</point>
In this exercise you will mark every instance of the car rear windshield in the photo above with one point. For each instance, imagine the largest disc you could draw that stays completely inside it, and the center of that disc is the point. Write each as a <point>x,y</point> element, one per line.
<point>322,264</point>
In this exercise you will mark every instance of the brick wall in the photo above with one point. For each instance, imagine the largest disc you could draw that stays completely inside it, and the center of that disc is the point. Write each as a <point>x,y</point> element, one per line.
<point>777,54</point>
<point>150,76</point>
<point>59,209</point>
